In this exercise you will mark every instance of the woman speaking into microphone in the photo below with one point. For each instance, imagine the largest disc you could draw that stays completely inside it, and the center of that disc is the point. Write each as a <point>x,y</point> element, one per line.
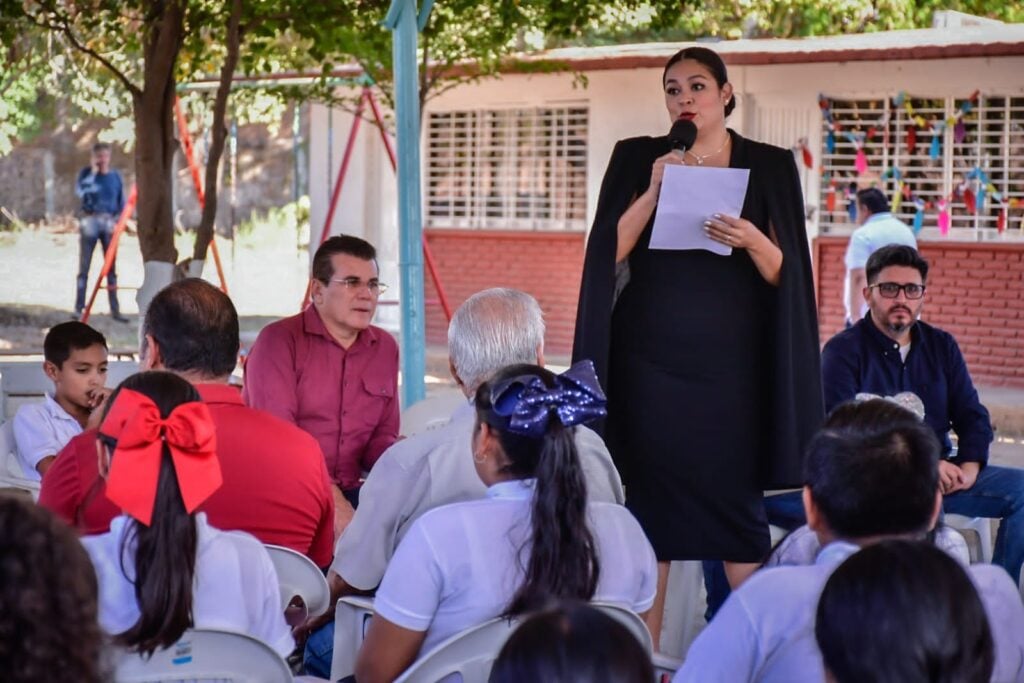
<point>710,362</point>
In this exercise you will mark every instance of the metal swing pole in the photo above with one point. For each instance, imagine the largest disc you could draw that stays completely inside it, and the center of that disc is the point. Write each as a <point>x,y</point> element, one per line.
<point>186,143</point>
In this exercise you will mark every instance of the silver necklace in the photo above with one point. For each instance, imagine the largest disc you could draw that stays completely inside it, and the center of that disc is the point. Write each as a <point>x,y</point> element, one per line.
<point>701,157</point>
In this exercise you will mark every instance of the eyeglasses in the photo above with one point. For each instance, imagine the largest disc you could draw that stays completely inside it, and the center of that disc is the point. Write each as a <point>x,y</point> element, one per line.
<point>891,290</point>
<point>355,284</point>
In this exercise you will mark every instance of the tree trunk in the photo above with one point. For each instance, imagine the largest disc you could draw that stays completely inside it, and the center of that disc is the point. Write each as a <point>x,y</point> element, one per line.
<point>155,144</point>
<point>204,233</point>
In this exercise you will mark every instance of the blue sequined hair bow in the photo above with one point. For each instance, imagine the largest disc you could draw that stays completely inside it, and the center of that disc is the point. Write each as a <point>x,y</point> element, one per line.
<point>527,403</point>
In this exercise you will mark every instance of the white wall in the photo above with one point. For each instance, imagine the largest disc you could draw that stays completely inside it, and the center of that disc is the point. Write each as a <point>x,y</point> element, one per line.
<point>777,104</point>
<point>366,206</point>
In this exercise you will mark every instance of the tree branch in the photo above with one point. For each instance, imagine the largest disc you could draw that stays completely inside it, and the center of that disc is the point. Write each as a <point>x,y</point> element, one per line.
<point>64,27</point>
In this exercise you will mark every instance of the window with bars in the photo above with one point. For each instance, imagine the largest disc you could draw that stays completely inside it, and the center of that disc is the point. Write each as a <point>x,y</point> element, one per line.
<point>991,139</point>
<point>508,169</point>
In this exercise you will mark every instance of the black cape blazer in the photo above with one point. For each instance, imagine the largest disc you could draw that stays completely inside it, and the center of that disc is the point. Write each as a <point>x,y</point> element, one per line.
<point>795,405</point>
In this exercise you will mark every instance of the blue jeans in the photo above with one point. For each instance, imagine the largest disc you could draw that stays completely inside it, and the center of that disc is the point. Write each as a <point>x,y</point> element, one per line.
<point>97,227</point>
<point>997,494</point>
<point>319,651</point>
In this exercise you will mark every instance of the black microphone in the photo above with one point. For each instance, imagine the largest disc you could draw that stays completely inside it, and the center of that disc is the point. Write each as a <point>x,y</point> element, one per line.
<point>682,134</point>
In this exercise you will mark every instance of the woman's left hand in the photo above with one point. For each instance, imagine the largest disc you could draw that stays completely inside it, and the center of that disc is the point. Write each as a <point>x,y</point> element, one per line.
<point>738,233</point>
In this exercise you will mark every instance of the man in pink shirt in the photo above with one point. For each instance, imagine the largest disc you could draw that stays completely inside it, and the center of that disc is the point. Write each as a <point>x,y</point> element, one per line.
<point>331,372</point>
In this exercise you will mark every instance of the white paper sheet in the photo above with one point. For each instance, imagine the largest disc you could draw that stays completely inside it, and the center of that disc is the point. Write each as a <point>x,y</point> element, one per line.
<point>689,196</point>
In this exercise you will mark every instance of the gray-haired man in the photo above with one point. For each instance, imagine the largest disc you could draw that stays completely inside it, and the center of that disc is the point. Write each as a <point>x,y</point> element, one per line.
<point>490,330</point>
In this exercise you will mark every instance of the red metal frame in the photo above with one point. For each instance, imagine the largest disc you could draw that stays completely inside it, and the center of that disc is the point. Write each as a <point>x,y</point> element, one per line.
<point>186,143</point>
<point>367,98</point>
<point>111,253</point>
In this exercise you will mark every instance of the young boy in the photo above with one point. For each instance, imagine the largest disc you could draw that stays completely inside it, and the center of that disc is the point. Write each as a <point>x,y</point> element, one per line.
<point>76,362</point>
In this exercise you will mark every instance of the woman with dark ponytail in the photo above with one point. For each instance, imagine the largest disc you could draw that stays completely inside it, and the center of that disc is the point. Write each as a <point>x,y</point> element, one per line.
<point>532,541</point>
<point>162,568</point>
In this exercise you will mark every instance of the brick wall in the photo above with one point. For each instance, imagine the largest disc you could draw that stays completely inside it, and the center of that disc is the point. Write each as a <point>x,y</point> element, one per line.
<point>975,292</point>
<point>548,265</point>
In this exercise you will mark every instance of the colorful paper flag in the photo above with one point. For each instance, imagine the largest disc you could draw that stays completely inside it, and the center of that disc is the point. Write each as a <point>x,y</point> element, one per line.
<point>861,162</point>
<point>943,219</point>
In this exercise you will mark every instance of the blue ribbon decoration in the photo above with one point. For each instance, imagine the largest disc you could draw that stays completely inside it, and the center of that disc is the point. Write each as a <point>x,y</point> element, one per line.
<point>528,403</point>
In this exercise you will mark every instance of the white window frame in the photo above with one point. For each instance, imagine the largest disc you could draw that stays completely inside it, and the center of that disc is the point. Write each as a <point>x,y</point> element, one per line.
<point>507,168</point>
<point>999,148</point>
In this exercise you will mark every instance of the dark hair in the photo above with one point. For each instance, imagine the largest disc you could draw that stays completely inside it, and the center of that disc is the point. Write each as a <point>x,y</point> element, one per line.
<point>903,612</point>
<point>64,338</point>
<point>708,58</point>
<point>196,326</point>
<point>572,643</point>
<point>323,269</point>
<point>895,255</point>
<point>872,199</point>
<point>563,557</point>
<point>49,630</point>
<point>165,551</point>
<point>101,147</point>
<point>874,469</point>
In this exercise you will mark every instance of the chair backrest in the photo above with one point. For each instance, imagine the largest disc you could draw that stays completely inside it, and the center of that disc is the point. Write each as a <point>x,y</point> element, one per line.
<point>631,620</point>
<point>207,655</point>
<point>11,474</point>
<point>299,575</point>
<point>351,620</point>
<point>469,654</point>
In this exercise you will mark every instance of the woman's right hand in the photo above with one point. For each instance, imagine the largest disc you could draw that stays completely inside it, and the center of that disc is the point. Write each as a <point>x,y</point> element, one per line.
<point>658,171</point>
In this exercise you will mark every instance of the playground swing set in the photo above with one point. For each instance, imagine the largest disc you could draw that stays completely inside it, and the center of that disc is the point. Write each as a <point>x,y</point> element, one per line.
<point>366,99</point>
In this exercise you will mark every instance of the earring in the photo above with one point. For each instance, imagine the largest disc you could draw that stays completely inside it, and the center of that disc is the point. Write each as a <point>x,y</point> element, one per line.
<point>479,458</point>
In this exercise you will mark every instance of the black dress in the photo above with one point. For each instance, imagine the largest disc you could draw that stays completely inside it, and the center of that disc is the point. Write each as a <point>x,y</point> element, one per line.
<point>695,358</point>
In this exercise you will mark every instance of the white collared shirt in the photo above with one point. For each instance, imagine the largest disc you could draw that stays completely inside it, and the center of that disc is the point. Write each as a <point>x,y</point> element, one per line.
<point>41,430</point>
<point>765,630</point>
<point>459,565</point>
<point>235,585</point>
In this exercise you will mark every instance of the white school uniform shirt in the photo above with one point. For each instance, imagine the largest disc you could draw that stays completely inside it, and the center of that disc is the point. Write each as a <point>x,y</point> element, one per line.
<point>432,469</point>
<point>459,565</point>
<point>40,430</point>
<point>235,585</point>
<point>765,631</point>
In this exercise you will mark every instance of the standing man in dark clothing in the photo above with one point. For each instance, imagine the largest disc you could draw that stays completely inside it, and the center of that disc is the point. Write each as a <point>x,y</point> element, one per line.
<point>102,194</point>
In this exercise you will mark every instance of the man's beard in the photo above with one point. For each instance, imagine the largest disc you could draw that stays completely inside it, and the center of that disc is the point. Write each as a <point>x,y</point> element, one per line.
<point>900,327</point>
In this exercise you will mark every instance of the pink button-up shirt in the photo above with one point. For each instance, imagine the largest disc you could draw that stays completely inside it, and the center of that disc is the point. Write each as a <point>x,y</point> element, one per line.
<point>346,398</point>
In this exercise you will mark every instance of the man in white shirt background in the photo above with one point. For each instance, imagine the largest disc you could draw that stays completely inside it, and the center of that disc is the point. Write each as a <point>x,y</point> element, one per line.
<point>877,228</point>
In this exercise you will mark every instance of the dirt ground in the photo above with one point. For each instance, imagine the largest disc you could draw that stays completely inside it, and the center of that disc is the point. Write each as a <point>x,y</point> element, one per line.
<point>265,272</point>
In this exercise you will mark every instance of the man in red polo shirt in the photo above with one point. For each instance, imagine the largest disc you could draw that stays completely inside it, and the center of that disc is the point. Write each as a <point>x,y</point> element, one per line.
<point>331,372</point>
<point>276,486</point>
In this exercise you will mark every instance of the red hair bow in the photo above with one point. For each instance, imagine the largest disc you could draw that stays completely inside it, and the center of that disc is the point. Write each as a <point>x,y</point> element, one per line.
<point>135,422</point>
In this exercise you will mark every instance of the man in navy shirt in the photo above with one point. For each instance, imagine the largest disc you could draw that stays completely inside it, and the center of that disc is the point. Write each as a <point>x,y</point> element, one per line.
<point>102,194</point>
<point>891,351</point>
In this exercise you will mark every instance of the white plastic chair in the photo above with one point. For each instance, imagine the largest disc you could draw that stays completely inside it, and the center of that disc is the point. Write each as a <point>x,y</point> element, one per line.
<point>208,655</point>
<point>469,654</point>
<point>11,474</point>
<point>631,620</point>
<point>299,576</point>
<point>974,527</point>
<point>351,619</point>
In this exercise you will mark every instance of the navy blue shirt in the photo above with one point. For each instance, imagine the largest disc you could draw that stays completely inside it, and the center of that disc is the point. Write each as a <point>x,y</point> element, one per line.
<point>863,359</point>
<point>100,192</point>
